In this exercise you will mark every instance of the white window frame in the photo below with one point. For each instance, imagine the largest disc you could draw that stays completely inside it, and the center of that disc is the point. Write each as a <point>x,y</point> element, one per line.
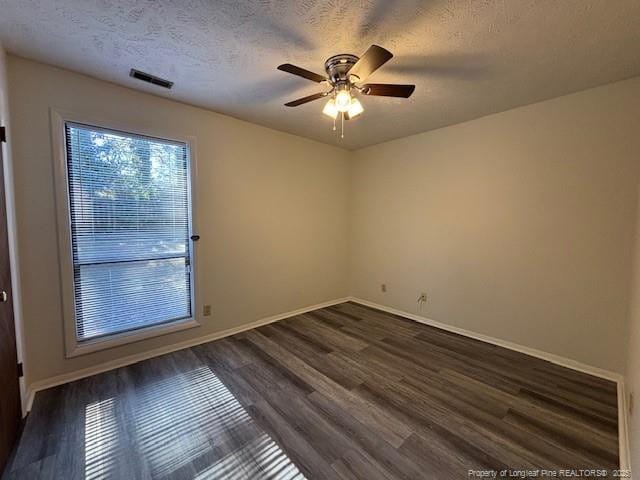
<point>73,347</point>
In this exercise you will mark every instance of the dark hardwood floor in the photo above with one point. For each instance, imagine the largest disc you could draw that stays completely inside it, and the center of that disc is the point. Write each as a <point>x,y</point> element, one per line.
<point>344,392</point>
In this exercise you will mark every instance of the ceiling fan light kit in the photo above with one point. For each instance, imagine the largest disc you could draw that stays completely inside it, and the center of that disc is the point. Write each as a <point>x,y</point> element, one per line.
<point>345,74</point>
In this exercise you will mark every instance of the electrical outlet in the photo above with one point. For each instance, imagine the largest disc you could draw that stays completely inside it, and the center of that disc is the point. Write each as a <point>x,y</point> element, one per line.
<point>383,287</point>
<point>422,298</point>
<point>206,310</point>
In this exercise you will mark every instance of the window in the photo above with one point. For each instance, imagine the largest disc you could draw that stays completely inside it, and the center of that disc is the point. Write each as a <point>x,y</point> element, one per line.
<point>128,209</point>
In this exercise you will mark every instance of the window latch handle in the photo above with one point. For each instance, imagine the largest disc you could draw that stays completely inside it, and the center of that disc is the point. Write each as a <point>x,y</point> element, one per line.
<point>195,238</point>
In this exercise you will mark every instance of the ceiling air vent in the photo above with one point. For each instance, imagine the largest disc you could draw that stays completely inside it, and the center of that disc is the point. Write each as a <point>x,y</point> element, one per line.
<point>147,77</point>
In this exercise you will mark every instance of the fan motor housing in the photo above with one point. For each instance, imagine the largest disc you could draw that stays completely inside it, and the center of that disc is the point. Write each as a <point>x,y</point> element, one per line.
<point>338,67</point>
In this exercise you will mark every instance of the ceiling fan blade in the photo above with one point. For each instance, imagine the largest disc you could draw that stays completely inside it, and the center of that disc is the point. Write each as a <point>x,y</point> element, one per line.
<point>301,72</point>
<point>309,98</point>
<point>372,60</point>
<point>388,90</point>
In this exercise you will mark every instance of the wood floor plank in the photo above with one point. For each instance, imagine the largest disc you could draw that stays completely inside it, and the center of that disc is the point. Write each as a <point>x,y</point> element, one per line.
<point>520,400</point>
<point>366,439</point>
<point>395,431</point>
<point>359,465</point>
<point>440,457</point>
<point>437,422</point>
<point>273,368</point>
<point>594,420</point>
<point>345,392</point>
<point>515,402</point>
<point>297,338</point>
<point>429,415</point>
<point>511,379</point>
<point>332,367</point>
<point>566,438</point>
<point>335,339</point>
<point>305,457</point>
<point>402,328</point>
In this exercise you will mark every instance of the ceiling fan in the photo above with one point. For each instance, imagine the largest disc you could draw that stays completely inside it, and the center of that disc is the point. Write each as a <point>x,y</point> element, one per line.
<point>345,75</point>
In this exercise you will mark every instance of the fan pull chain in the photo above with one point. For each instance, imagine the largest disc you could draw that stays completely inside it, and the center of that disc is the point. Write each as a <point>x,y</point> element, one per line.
<point>342,132</point>
<point>334,123</point>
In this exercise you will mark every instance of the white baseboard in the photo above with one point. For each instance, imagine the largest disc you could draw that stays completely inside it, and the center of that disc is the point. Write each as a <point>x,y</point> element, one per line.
<point>35,387</point>
<point>623,428</point>
<point>623,435</point>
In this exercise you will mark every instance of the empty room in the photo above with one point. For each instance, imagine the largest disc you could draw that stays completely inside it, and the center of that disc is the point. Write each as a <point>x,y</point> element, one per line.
<point>319,239</point>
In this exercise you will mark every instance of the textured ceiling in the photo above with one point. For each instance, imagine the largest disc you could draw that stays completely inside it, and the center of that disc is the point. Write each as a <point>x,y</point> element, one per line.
<point>468,58</point>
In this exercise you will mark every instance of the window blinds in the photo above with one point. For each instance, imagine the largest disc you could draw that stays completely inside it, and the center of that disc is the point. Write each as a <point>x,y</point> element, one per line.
<point>130,216</point>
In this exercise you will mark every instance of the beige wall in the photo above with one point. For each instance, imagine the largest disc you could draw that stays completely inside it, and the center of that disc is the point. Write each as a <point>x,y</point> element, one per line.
<point>518,225</point>
<point>272,211</point>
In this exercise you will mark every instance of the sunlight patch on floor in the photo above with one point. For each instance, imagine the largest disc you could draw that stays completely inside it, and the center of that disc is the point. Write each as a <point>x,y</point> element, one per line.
<point>101,439</point>
<point>179,422</point>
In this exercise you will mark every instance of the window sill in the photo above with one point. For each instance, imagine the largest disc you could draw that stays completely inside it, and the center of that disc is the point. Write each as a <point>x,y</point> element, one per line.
<point>125,338</point>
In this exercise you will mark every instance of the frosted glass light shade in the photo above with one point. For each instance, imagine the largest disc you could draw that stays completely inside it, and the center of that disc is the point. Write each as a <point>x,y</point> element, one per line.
<point>330,109</point>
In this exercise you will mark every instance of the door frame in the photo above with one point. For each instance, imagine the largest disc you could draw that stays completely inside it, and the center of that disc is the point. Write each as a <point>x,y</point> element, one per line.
<point>12,236</point>
<point>12,415</point>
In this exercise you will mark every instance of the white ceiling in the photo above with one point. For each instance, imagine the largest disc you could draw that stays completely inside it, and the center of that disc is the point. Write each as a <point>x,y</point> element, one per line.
<point>468,58</point>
